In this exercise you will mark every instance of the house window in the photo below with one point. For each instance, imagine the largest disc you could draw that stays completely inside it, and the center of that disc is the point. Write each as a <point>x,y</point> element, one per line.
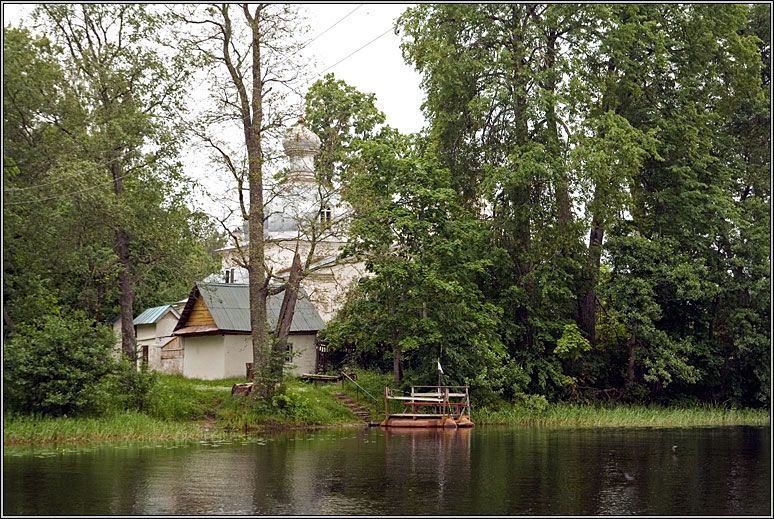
<point>289,353</point>
<point>325,217</point>
<point>229,275</point>
<point>145,356</point>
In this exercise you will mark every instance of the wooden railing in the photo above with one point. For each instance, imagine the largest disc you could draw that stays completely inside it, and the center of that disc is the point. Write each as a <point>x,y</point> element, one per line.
<point>423,400</point>
<point>358,387</point>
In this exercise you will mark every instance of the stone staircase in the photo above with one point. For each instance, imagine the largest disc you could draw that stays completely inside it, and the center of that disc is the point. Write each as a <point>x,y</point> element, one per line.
<point>353,406</point>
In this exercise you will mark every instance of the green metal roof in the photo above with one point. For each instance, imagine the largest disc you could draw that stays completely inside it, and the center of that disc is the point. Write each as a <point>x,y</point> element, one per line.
<point>229,304</point>
<point>152,315</point>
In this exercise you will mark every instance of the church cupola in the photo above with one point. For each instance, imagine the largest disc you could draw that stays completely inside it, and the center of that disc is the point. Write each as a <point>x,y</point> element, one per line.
<point>301,145</point>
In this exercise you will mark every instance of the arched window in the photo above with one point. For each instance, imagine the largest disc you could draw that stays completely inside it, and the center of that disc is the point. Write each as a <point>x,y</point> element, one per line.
<point>326,215</point>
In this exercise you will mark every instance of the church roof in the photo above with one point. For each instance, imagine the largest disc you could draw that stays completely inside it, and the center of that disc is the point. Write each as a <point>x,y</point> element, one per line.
<point>301,140</point>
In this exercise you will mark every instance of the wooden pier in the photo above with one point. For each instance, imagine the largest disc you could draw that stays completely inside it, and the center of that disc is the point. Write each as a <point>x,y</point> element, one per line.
<point>428,406</point>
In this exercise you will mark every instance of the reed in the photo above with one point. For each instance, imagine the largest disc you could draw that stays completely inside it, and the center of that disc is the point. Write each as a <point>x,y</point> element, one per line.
<point>128,426</point>
<point>569,415</point>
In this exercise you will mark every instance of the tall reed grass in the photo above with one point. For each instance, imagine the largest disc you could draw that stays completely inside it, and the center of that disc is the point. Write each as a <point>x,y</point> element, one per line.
<point>129,426</point>
<point>568,415</point>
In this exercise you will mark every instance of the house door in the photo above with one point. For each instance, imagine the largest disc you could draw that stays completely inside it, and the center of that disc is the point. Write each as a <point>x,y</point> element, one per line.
<point>145,356</point>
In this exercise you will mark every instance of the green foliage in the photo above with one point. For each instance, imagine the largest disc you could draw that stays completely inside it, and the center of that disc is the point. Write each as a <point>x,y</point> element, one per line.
<point>423,249</point>
<point>81,117</point>
<point>343,118</point>
<point>571,345</point>
<point>126,388</point>
<point>643,125</point>
<point>56,367</point>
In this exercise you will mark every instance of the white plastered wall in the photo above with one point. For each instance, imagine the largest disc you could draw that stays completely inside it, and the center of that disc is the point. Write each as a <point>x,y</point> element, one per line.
<point>239,351</point>
<point>305,355</point>
<point>204,357</point>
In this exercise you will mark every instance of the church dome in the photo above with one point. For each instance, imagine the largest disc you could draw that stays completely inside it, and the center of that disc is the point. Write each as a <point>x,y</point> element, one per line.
<point>300,140</point>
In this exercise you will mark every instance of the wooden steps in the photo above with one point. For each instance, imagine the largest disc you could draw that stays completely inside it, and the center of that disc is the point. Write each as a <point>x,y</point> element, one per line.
<point>353,406</point>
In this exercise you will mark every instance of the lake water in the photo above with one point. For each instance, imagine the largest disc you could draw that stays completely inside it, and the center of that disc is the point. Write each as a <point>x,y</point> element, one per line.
<point>480,471</point>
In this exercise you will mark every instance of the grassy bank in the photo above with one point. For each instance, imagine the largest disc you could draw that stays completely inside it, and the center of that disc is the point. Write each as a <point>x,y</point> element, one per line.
<point>180,409</point>
<point>567,415</point>
<point>129,426</point>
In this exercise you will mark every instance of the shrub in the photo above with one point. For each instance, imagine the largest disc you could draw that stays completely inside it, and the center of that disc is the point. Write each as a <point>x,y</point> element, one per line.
<point>124,388</point>
<point>532,403</point>
<point>55,366</point>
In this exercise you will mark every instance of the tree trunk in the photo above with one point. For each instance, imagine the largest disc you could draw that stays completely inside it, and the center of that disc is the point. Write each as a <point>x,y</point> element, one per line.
<point>554,143</point>
<point>397,370</point>
<point>289,300</point>
<point>587,304</point>
<point>252,122</point>
<point>632,358</point>
<point>285,319</point>
<point>125,282</point>
<point>126,297</point>
<point>258,286</point>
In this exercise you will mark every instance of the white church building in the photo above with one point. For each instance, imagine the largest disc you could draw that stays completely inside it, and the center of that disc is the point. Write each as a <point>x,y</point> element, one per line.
<point>302,214</point>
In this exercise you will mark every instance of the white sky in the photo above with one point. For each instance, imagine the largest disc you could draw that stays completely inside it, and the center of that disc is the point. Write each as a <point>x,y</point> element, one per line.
<point>378,68</point>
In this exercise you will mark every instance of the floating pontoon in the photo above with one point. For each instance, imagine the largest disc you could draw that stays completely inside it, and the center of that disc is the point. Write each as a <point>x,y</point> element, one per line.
<point>428,406</point>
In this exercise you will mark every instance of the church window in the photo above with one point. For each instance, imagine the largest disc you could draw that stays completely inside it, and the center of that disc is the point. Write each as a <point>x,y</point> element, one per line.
<point>325,217</point>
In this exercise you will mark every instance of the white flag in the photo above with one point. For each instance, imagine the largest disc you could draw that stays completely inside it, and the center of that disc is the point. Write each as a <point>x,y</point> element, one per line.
<point>439,367</point>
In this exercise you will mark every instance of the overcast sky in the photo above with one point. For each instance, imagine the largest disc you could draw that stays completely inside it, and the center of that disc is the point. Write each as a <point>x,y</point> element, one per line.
<point>377,68</point>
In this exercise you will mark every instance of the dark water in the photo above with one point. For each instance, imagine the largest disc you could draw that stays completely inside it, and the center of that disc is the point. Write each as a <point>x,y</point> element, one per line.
<point>482,471</point>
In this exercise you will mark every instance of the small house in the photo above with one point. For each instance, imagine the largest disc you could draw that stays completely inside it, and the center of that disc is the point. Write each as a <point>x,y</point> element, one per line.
<point>157,348</point>
<point>214,328</point>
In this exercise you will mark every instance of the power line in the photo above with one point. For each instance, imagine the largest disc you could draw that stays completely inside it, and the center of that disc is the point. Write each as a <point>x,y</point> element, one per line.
<point>286,58</point>
<point>352,53</point>
<point>68,193</point>
<point>332,26</point>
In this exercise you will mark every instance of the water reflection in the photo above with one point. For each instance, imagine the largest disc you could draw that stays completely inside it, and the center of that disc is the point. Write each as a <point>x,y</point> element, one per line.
<point>480,471</point>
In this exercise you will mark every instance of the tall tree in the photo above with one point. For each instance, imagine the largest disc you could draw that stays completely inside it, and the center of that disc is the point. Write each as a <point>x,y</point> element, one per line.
<point>251,49</point>
<point>497,110</point>
<point>61,211</point>
<point>130,95</point>
<point>424,252</point>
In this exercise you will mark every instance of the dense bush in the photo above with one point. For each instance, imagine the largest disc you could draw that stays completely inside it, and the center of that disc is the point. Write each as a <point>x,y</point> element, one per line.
<point>62,365</point>
<point>125,388</point>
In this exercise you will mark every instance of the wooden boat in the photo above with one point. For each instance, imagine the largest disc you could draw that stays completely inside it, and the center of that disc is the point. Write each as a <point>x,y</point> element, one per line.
<point>427,407</point>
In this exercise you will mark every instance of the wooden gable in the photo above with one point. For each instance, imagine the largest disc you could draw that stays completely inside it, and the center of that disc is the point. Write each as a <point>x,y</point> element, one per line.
<point>196,318</point>
<point>200,314</point>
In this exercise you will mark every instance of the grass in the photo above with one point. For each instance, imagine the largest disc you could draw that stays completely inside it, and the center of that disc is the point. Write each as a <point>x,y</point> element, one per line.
<point>370,381</point>
<point>129,426</point>
<point>180,409</point>
<point>299,404</point>
<point>568,415</point>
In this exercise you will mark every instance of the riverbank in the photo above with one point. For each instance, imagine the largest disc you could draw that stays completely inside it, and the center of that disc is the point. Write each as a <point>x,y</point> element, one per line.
<point>179,409</point>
